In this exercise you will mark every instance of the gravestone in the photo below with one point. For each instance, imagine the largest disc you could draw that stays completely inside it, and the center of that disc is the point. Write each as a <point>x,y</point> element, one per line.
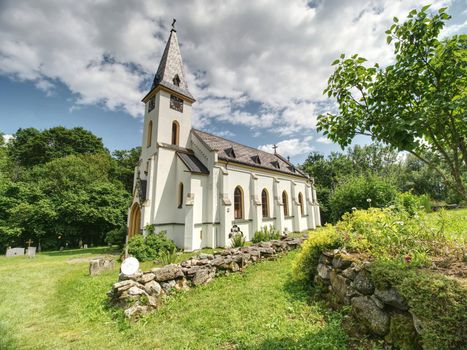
<point>15,252</point>
<point>31,253</point>
<point>100,264</point>
<point>85,246</point>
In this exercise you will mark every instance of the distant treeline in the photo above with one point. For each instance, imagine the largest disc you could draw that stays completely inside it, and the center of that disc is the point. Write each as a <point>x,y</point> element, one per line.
<point>372,172</point>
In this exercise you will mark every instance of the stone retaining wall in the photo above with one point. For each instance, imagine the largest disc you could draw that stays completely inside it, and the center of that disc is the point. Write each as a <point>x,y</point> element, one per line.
<point>143,292</point>
<point>349,283</point>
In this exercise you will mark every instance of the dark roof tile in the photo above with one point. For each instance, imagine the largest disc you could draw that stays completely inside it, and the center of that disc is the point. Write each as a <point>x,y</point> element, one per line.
<point>246,155</point>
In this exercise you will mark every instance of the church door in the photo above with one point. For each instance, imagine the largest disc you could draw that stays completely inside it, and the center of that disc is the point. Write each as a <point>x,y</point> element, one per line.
<point>135,221</point>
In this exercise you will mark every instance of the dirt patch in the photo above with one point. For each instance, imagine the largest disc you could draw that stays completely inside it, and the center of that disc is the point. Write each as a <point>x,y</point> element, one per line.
<point>89,258</point>
<point>450,266</point>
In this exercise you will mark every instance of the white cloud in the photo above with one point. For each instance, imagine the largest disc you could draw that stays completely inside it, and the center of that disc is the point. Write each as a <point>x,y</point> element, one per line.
<point>274,54</point>
<point>7,138</point>
<point>454,29</point>
<point>291,147</point>
<point>324,140</point>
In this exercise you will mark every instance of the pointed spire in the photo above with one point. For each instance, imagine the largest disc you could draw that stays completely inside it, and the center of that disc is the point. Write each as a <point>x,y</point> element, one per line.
<point>170,72</point>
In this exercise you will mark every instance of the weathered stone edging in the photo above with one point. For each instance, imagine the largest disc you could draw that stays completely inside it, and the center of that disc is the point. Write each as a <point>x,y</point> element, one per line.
<point>144,291</point>
<point>349,281</point>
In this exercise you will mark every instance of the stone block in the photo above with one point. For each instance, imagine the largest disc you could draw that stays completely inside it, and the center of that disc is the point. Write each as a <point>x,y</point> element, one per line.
<point>204,276</point>
<point>146,277</point>
<point>392,297</point>
<point>153,288</point>
<point>363,284</point>
<point>167,273</point>
<point>341,261</point>
<point>375,319</point>
<point>339,287</point>
<point>349,273</point>
<point>323,271</point>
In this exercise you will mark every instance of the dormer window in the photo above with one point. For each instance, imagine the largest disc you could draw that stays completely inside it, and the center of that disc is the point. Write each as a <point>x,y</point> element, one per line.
<point>230,152</point>
<point>276,164</point>
<point>176,80</point>
<point>151,104</point>
<point>256,159</point>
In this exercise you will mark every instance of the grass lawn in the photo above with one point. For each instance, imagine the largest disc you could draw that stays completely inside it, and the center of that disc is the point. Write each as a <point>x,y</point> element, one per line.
<point>50,302</point>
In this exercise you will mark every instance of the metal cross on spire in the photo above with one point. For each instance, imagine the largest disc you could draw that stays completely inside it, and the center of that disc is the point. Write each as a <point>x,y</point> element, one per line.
<point>275,148</point>
<point>173,25</point>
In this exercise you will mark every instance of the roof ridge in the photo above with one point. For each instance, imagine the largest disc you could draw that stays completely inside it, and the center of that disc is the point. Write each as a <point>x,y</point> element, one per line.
<point>253,148</point>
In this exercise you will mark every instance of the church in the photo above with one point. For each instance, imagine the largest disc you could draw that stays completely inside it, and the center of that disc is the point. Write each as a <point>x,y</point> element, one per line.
<point>196,186</point>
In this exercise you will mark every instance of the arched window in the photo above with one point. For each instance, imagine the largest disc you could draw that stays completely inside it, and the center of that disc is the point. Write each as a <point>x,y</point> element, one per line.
<point>180,195</point>
<point>176,80</point>
<point>285,202</point>
<point>175,132</point>
<point>238,203</point>
<point>265,203</point>
<point>300,202</point>
<point>149,137</point>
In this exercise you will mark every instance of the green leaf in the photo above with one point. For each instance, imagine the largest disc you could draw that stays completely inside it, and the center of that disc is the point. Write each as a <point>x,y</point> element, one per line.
<point>342,55</point>
<point>335,62</point>
<point>442,9</point>
<point>389,39</point>
<point>395,19</point>
<point>424,8</point>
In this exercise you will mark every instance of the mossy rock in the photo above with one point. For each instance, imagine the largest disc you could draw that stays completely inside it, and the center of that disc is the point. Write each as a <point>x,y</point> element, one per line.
<point>402,333</point>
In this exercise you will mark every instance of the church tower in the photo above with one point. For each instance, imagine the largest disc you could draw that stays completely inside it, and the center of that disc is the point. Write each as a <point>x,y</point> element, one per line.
<point>167,117</point>
<point>167,127</point>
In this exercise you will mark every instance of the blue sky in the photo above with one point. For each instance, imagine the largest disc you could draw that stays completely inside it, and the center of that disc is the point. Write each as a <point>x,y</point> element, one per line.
<point>257,70</point>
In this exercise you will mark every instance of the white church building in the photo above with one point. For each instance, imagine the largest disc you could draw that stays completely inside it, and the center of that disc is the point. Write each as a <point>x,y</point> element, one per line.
<point>196,186</point>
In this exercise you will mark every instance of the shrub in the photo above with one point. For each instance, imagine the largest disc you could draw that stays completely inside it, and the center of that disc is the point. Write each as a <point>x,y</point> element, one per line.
<point>304,267</point>
<point>436,300</point>
<point>117,236</point>
<point>150,246</point>
<point>168,257</point>
<point>412,203</point>
<point>238,240</point>
<point>266,234</point>
<point>389,234</point>
<point>355,193</point>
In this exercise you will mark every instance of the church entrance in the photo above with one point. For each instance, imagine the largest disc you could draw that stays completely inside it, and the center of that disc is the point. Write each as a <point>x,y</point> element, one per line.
<point>135,221</point>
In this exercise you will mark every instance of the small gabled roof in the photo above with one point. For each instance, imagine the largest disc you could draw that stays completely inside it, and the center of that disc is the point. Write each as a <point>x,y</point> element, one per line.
<point>193,164</point>
<point>246,155</point>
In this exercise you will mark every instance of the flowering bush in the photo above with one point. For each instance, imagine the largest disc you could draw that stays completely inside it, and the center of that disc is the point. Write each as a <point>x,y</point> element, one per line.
<point>393,234</point>
<point>304,267</point>
<point>388,234</point>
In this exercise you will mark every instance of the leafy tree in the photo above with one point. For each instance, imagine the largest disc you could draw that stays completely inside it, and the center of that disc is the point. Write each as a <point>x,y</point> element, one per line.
<point>360,192</point>
<point>329,172</point>
<point>32,147</point>
<point>125,162</point>
<point>418,104</point>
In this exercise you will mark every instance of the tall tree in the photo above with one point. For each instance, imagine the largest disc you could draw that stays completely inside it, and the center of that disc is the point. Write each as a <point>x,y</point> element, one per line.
<point>31,146</point>
<point>418,104</point>
<point>125,162</point>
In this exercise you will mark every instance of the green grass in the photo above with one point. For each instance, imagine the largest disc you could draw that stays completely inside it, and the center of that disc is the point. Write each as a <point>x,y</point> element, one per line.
<point>454,221</point>
<point>51,303</point>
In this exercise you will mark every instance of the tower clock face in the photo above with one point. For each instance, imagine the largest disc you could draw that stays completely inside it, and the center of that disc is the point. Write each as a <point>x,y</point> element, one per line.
<point>176,103</point>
